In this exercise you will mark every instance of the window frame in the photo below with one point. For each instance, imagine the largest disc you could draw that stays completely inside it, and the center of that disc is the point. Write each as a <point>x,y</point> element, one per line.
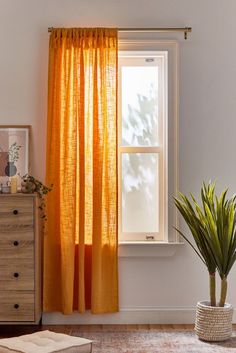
<point>170,161</point>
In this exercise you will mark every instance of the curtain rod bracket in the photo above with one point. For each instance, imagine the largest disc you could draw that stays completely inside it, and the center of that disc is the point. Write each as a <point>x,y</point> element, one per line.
<point>187,29</point>
<point>186,35</point>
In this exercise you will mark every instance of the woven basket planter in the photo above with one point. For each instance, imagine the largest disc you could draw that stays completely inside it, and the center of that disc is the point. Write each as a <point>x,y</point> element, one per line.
<point>213,323</point>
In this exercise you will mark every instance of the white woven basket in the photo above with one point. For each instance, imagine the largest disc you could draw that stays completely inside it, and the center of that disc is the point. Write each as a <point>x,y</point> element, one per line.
<point>213,323</point>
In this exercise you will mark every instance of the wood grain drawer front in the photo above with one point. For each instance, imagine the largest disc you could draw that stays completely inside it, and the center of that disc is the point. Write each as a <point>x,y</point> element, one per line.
<point>15,228</point>
<point>17,245</point>
<point>17,306</point>
<point>16,210</point>
<point>16,275</point>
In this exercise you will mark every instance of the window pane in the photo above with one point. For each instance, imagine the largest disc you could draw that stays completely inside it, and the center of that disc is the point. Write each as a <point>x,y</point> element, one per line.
<point>139,105</point>
<point>140,196</point>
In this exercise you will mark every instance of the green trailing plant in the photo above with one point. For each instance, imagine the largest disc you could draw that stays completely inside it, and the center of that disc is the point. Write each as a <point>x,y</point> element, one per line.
<point>213,228</point>
<point>31,184</point>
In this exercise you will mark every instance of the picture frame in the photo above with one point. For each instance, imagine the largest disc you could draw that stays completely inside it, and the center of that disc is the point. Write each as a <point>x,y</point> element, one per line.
<point>14,153</point>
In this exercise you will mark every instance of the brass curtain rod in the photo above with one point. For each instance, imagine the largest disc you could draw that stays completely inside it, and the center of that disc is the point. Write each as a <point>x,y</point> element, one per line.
<point>185,30</point>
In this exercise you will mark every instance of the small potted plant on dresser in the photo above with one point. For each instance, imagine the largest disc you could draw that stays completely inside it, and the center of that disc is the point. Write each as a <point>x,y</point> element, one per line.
<point>213,229</point>
<point>30,185</point>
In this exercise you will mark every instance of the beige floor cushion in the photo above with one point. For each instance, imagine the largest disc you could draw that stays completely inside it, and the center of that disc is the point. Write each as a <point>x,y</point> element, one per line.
<point>45,342</point>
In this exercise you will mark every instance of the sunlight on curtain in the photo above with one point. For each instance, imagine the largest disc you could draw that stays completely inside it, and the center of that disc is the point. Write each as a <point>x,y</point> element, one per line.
<point>80,252</point>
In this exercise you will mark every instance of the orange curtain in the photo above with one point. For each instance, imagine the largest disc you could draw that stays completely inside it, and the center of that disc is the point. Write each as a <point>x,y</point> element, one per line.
<point>80,247</point>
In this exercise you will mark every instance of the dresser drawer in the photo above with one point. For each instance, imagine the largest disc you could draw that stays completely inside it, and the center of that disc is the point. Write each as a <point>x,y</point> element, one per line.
<point>16,244</point>
<point>16,210</point>
<point>16,274</point>
<point>16,306</point>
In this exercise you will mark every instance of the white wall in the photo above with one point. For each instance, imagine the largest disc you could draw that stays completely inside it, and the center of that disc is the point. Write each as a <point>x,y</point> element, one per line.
<point>158,289</point>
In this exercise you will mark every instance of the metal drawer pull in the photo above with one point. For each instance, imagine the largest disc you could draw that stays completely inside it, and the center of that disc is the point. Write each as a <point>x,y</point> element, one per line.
<point>16,306</point>
<point>16,243</point>
<point>15,212</point>
<point>16,274</point>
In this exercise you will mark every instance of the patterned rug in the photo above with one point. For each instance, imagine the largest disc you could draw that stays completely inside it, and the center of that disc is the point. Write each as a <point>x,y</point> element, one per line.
<point>154,342</point>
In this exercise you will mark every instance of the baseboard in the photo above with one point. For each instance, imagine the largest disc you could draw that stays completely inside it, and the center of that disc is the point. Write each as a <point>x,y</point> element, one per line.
<point>134,315</point>
<point>140,315</point>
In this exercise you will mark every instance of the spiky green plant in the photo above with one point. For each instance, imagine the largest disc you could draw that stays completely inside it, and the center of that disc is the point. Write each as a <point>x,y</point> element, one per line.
<point>213,227</point>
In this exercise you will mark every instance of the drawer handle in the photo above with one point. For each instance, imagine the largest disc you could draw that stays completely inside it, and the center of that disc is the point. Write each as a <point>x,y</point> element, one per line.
<point>15,212</point>
<point>16,274</point>
<point>16,306</point>
<point>16,243</point>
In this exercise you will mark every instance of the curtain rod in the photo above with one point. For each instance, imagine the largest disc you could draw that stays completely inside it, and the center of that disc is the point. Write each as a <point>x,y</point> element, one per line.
<point>185,30</point>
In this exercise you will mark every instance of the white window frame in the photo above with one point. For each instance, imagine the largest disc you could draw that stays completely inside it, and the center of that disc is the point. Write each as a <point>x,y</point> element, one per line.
<point>169,160</point>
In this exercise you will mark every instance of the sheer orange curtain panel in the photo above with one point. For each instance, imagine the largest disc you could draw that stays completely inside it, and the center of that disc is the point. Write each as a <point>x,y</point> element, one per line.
<point>80,242</point>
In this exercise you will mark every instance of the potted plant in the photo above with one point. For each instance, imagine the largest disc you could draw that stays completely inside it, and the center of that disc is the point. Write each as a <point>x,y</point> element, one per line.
<point>30,185</point>
<point>213,229</point>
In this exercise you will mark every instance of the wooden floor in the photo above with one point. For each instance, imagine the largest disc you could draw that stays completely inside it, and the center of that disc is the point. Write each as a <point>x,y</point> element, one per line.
<point>16,330</point>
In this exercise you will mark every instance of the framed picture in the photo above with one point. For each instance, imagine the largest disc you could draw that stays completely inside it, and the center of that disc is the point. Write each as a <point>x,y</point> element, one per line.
<point>14,152</point>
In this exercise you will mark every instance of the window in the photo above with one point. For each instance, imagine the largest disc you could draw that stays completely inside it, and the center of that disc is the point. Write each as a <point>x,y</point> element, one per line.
<point>143,145</point>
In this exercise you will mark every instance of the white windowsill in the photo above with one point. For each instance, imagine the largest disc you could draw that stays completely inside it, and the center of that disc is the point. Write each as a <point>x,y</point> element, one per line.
<point>148,248</point>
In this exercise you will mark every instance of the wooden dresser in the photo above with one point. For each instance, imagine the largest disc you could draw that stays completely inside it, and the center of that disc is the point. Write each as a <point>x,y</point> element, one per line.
<point>20,259</point>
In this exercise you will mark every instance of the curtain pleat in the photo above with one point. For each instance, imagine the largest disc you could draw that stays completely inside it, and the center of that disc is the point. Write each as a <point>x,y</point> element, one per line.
<point>80,247</point>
